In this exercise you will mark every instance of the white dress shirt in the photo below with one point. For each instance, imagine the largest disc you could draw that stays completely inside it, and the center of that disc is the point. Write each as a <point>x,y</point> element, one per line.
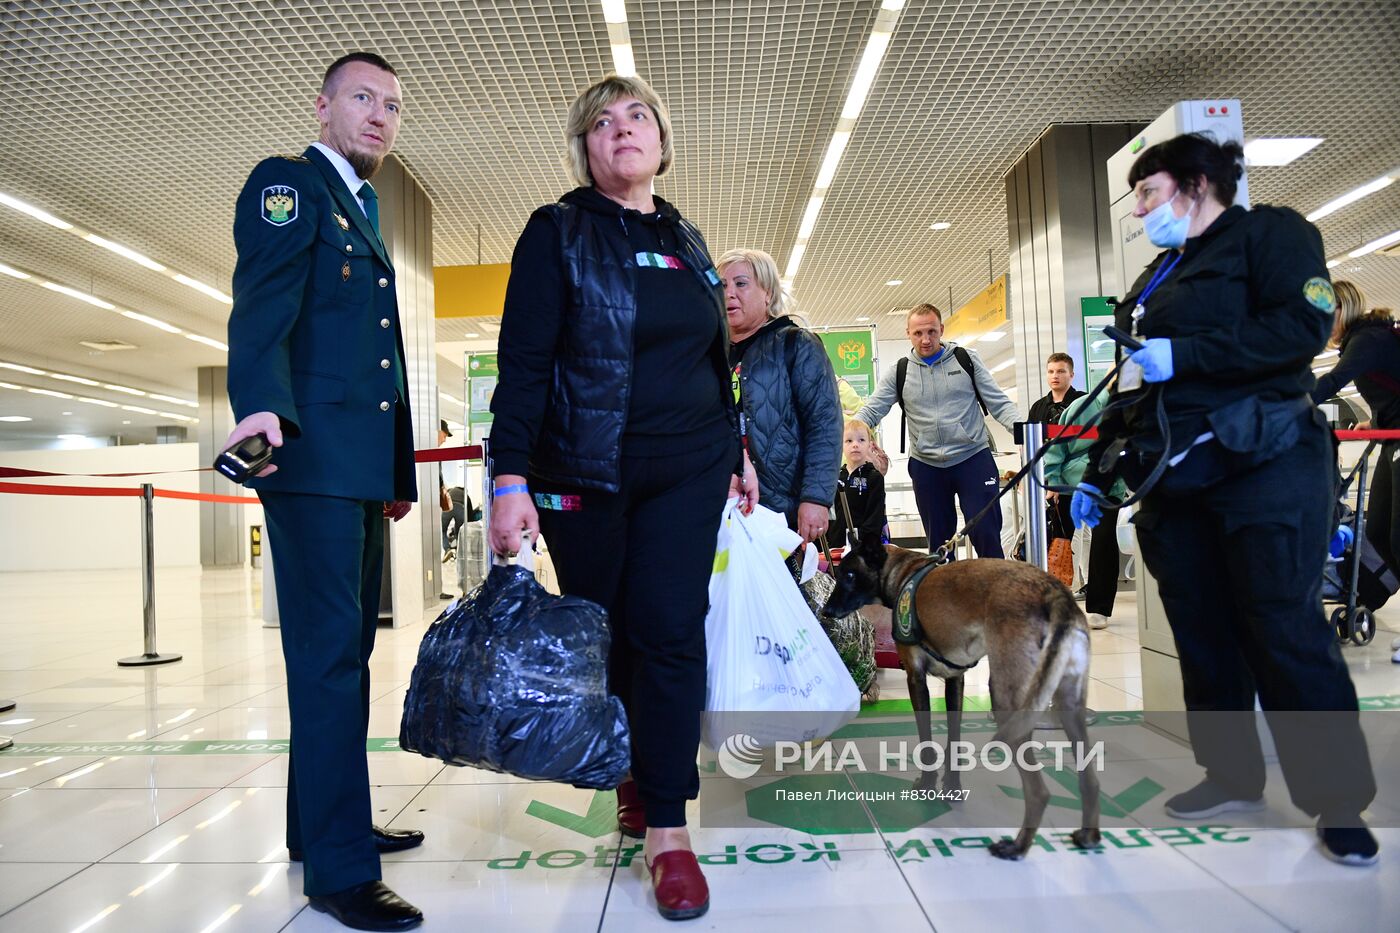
<point>342,165</point>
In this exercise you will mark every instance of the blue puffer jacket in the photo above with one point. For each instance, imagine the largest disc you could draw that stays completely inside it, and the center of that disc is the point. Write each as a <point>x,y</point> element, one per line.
<point>793,418</point>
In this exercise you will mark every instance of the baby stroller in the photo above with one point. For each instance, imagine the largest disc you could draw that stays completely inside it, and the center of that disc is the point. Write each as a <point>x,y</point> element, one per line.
<point>1359,580</point>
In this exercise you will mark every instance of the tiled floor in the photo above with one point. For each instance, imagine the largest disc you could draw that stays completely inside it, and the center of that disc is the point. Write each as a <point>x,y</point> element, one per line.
<point>95,835</point>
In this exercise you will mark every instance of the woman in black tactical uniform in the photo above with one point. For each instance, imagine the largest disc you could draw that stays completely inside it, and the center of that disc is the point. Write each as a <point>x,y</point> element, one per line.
<point>1236,530</point>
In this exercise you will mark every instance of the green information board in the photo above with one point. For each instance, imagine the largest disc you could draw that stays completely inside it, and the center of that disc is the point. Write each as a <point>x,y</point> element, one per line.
<point>1097,313</point>
<point>481,383</point>
<point>852,354</point>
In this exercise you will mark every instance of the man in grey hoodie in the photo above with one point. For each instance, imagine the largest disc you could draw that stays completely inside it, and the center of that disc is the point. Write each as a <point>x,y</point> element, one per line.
<point>945,387</point>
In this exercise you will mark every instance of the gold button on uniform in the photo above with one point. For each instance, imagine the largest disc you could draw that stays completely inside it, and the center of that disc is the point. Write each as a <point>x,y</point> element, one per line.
<point>383,282</point>
<point>383,364</point>
<point>383,406</point>
<point>384,322</point>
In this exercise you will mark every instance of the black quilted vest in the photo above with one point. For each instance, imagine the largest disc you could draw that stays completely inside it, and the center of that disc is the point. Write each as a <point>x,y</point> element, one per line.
<point>580,439</point>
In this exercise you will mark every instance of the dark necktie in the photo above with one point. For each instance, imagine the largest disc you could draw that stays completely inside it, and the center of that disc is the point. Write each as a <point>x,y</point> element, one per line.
<point>371,201</point>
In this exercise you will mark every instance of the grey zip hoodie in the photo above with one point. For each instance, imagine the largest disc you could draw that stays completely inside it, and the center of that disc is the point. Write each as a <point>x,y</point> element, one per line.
<point>946,426</point>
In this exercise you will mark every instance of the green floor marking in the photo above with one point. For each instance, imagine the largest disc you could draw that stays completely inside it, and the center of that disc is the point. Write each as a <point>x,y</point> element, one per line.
<point>600,820</point>
<point>1143,790</point>
<point>883,718</point>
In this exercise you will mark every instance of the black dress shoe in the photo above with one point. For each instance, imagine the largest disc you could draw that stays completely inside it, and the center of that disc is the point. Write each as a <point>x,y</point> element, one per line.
<point>369,906</point>
<point>385,840</point>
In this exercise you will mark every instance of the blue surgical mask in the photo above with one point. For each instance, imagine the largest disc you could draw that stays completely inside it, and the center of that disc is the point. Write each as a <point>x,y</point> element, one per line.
<point>1164,228</point>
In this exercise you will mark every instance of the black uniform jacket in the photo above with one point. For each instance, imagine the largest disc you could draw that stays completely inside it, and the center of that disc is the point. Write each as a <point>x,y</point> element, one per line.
<point>1247,307</point>
<point>314,334</point>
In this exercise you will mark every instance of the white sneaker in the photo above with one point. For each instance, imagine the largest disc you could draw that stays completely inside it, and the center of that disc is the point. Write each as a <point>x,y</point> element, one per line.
<point>1395,645</point>
<point>1098,620</point>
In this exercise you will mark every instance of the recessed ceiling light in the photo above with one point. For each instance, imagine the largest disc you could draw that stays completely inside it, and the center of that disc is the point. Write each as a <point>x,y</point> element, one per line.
<point>991,336</point>
<point>138,408</point>
<point>863,317</point>
<point>14,419</point>
<point>174,401</point>
<point>154,322</point>
<point>72,437</point>
<point>81,296</point>
<point>64,377</point>
<point>23,369</point>
<point>201,287</point>
<point>1334,263</point>
<point>208,341</point>
<point>1002,365</point>
<point>941,225</point>
<point>895,282</point>
<point>49,392</point>
<point>97,401</point>
<point>1376,244</point>
<point>1278,151</point>
<point>34,212</point>
<point>1356,194</point>
<point>12,271</point>
<point>124,251</point>
<point>126,422</point>
<point>473,334</point>
<point>68,413</point>
<point>127,389</point>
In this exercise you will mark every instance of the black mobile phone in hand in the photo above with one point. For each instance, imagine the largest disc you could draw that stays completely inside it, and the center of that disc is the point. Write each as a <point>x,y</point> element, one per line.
<point>242,461</point>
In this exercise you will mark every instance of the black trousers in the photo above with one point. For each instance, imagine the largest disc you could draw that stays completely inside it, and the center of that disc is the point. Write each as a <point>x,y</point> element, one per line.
<point>1383,506</point>
<point>327,554</point>
<point>974,483</point>
<point>1239,565</point>
<point>645,554</point>
<point>1101,589</point>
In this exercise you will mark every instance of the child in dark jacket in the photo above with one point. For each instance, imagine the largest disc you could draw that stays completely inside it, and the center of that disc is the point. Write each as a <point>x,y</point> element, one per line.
<point>863,487</point>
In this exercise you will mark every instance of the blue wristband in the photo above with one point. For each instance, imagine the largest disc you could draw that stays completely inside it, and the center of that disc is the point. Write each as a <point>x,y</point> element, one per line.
<point>508,490</point>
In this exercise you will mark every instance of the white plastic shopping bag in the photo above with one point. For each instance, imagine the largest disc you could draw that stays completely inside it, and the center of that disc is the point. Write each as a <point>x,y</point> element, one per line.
<point>773,675</point>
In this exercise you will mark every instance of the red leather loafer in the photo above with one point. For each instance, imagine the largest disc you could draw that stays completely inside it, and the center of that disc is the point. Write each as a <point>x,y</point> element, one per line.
<point>681,891</point>
<point>631,812</point>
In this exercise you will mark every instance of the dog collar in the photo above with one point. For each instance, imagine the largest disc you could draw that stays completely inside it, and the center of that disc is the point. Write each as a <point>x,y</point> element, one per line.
<point>905,627</point>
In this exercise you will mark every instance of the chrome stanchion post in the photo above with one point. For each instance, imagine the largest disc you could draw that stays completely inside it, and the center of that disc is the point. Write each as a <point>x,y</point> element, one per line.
<point>5,707</point>
<point>148,585</point>
<point>1037,549</point>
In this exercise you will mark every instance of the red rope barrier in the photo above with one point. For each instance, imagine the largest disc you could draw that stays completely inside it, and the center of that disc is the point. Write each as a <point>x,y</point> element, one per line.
<point>436,455</point>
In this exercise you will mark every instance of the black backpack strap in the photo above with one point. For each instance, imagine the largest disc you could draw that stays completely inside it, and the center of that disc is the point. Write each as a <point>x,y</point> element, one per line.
<point>965,361</point>
<point>901,372</point>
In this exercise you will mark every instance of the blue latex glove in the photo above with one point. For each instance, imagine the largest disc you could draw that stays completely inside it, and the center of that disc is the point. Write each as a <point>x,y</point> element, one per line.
<point>1155,358</point>
<point>1341,540</point>
<point>1083,510</point>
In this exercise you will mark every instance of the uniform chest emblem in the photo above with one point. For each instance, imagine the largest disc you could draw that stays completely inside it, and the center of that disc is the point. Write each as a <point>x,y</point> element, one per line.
<point>345,272</point>
<point>1319,293</point>
<point>344,224</point>
<point>279,205</point>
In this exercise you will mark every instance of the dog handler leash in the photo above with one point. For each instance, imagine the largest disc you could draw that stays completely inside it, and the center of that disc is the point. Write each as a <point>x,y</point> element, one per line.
<point>944,552</point>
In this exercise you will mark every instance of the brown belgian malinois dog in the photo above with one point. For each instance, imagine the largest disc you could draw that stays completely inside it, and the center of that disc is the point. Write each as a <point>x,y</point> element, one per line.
<point>1023,620</point>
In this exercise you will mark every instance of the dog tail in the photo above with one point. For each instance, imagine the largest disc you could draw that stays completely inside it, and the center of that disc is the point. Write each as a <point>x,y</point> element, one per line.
<point>1066,645</point>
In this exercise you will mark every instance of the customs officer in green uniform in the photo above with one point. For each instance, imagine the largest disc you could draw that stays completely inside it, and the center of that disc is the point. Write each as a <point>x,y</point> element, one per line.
<point>316,364</point>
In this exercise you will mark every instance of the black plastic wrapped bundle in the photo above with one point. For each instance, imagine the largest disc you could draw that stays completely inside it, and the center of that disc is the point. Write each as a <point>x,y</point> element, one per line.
<point>514,679</point>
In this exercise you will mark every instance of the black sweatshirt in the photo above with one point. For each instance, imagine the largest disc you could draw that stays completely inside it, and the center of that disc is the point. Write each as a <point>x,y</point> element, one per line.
<point>865,494</point>
<point>1370,358</point>
<point>676,402</point>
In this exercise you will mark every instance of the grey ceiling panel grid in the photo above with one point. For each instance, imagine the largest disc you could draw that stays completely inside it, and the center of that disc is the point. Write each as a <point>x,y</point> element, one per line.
<point>140,120</point>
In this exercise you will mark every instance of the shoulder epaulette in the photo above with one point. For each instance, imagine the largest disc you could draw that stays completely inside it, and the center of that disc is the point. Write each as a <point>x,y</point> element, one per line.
<point>292,158</point>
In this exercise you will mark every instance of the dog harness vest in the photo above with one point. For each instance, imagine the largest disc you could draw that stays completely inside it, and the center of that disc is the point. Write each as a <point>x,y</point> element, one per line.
<point>905,627</point>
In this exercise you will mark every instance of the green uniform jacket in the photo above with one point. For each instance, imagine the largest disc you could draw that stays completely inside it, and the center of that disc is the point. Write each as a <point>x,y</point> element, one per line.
<point>314,335</point>
<point>1064,463</point>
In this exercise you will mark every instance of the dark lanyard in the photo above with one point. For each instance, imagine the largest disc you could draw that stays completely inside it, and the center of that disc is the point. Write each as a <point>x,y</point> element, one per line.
<point>1158,278</point>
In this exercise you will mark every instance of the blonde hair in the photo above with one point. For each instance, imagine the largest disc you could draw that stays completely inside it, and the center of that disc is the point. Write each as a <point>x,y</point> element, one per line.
<point>1351,307</point>
<point>765,272</point>
<point>920,311</point>
<point>590,104</point>
<point>854,423</point>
